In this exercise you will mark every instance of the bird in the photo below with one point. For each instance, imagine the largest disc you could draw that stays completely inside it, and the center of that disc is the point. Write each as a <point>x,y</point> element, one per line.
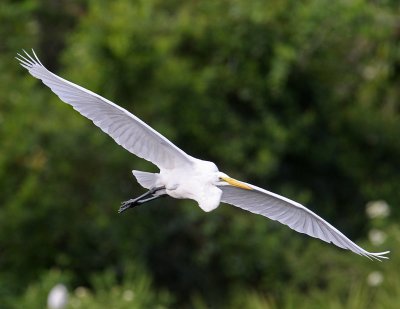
<point>182,176</point>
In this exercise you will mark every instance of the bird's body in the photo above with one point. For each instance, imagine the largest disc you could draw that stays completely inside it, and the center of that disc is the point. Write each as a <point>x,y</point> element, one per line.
<point>182,176</point>
<point>198,182</point>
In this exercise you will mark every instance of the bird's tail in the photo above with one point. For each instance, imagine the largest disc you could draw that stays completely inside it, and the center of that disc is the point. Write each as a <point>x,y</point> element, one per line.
<point>145,179</point>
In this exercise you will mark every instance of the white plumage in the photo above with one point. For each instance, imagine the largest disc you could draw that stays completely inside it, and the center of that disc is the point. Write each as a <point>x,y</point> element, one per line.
<point>182,176</point>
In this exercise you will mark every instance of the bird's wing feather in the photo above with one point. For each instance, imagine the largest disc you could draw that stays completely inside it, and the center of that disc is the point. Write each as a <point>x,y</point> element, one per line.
<point>292,214</point>
<point>126,129</point>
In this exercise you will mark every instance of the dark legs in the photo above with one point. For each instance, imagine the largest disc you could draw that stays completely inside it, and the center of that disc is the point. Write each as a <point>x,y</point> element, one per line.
<point>141,199</point>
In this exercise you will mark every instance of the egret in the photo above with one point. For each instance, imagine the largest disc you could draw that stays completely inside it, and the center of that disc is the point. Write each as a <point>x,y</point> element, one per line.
<point>180,175</point>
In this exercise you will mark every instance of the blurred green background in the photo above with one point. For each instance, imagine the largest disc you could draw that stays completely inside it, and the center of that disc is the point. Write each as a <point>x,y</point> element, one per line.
<point>299,97</point>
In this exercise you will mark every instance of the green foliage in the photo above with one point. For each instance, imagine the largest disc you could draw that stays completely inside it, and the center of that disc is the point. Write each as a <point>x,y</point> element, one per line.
<point>349,284</point>
<point>135,292</point>
<point>35,295</point>
<point>300,97</point>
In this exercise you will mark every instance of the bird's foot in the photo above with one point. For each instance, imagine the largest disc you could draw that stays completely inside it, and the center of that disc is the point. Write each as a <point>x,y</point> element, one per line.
<point>127,204</point>
<point>141,199</point>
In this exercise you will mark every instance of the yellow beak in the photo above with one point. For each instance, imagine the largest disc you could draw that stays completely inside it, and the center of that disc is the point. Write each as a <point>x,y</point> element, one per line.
<point>236,183</point>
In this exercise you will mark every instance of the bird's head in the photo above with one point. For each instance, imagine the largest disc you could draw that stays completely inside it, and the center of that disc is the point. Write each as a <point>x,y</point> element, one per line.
<point>225,180</point>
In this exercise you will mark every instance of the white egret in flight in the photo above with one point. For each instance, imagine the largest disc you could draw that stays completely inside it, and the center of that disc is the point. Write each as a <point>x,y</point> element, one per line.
<point>181,175</point>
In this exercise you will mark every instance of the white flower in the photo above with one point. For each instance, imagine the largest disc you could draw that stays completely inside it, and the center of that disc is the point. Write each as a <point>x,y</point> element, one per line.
<point>58,297</point>
<point>369,72</point>
<point>375,278</point>
<point>128,295</point>
<point>377,237</point>
<point>81,292</point>
<point>377,209</point>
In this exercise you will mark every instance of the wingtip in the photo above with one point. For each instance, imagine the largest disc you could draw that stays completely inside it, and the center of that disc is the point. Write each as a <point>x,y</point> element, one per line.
<point>378,255</point>
<point>36,57</point>
<point>26,60</point>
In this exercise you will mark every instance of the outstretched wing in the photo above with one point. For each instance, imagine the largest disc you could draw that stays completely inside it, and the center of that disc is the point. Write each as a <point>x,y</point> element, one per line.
<point>126,129</point>
<point>290,213</point>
